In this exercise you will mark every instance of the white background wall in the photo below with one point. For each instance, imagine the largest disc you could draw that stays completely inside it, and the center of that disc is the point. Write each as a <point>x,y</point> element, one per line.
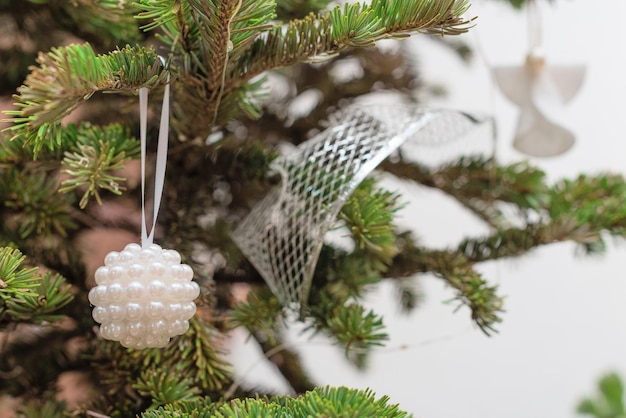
<point>565,323</point>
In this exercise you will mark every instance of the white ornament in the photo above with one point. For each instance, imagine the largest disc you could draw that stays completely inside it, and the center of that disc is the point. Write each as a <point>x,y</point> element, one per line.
<point>541,93</point>
<point>144,296</point>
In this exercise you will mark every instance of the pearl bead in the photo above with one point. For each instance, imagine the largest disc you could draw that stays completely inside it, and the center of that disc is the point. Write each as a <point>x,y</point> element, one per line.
<point>116,313</point>
<point>111,258</point>
<point>133,248</point>
<point>171,257</point>
<point>176,272</point>
<point>125,257</point>
<point>192,290</point>
<point>105,331</point>
<point>145,255</point>
<point>128,341</point>
<point>115,331</point>
<point>161,342</point>
<point>188,273</point>
<point>116,273</point>
<point>155,247</point>
<point>189,310</point>
<point>176,292</point>
<point>134,311</point>
<point>184,326</point>
<point>102,275</point>
<point>156,269</point>
<point>100,314</point>
<point>155,310</point>
<point>136,329</point>
<point>157,328</point>
<point>97,295</point>
<point>136,271</point>
<point>115,292</point>
<point>173,327</point>
<point>173,311</point>
<point>135,290</point>
<point>156,288</point>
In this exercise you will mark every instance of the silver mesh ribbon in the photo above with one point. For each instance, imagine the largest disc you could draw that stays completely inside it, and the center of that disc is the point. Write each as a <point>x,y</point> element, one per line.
<point>283,234</point>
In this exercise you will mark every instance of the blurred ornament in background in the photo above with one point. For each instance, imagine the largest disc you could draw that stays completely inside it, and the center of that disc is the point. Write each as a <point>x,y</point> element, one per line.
<point>540,91</point>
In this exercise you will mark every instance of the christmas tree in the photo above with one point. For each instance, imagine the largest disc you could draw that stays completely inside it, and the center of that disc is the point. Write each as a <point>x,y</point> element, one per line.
<point>70,193</point>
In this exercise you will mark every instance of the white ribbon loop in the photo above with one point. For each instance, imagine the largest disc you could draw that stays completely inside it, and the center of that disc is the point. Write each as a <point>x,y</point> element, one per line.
<point>161,159</point>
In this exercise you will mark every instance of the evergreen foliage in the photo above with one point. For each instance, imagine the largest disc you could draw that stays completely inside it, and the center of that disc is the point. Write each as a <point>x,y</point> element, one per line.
<point>609,402</point>
<point>59,178</point>
<point>337,402</point>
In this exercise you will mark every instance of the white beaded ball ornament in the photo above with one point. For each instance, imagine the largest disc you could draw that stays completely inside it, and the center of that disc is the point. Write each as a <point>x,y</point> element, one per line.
<point>144,296</point>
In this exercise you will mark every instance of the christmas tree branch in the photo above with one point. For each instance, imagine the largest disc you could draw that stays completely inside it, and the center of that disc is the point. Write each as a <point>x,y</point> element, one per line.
<point>104,19</point>
<point>226,28</point>
<point>479,183</point>
<point>27,296</point>
<point>319,402</point>
<point>356,25</point>
<point>579,210</point>
<point>95,154</point>
<point>32,202</point>
<point>608,402</point>
<point>15,282</point>
<point>457,271</point>
<point>68,76</point>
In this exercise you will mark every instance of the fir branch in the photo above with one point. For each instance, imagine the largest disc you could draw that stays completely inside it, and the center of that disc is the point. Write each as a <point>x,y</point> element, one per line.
<point>68,76</point>
<point>196,354</point>
<point>39,408</point>
<point>594,202</point>
<point>320,402</point>
<point>165,387</point>
<point>479,183</point>
<point>179,31</point>
<point>457,271</point>
<point>356,25</point>
<point>26,296</point>
<point>435,17</point>
<point>342,276</point>
<point>110,20</point>
<point>368,215</point>
<point>161,13</point>
<point>609,402</point>
<point>15,281</point>
<point>200,408</point>
<point>34,202</point>
<point>227,27</point>
<point>257,315</point>
<point>579,210</point>
<point>355,329</point>
<point>14,151</point>
<point>98,152</point>
<point>511,242</point>
<point>345,402</point>
<point>53,294</point>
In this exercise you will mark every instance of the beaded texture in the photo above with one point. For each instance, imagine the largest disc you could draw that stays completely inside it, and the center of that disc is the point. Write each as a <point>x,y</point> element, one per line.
<point>144,296</point>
